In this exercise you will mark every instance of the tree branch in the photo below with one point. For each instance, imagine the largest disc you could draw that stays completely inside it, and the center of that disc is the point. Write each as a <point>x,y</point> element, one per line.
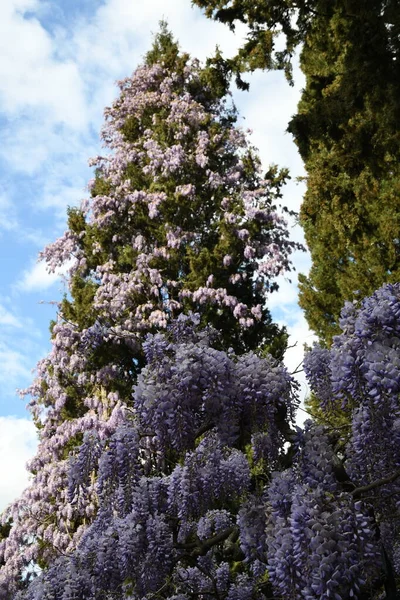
<point>199,548</point>
<point>205,546</point>
<point>378,483</point>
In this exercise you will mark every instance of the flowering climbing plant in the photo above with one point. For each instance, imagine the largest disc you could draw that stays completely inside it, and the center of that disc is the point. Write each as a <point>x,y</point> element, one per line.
<point>179,218</point>
<point>207,489</point>
<point>360,375</point>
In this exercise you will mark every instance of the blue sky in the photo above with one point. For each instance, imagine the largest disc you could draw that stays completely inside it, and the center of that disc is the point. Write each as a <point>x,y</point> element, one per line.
<point>59,60</point>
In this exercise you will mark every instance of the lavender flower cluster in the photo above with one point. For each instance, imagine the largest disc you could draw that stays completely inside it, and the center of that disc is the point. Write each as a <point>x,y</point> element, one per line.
<point>202,163</point>
<point>172,479</point>
<point>361,371</point>
<point>186,509</point>
<point>321,544</point>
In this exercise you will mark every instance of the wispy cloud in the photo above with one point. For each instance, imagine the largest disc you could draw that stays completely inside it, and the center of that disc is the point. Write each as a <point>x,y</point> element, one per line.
<point>15,331</point>
<point>31,78</point>
<point>8,219</point>
<point>22,343</point>
<point>37,277</point>
<point>8,319</point>
<point>13,364</point>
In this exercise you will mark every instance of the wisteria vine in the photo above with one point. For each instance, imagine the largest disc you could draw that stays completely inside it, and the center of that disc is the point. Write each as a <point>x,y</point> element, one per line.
<point>179,218</point>
<point>189,507</point>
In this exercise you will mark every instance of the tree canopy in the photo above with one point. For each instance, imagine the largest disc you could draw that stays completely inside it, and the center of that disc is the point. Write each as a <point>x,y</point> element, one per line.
<point>347,132</point>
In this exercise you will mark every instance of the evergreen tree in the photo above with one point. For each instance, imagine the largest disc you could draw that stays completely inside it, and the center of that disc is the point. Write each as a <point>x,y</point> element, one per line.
<point>179,220</point>
<point>347,132</point>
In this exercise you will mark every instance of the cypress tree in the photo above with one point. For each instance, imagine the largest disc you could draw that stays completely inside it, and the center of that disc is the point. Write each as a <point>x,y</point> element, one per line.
<point>347,132</point>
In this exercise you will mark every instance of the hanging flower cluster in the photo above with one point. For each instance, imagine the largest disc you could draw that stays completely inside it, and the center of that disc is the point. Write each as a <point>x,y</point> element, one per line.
<point>186,510</point>
<point>361,372</point>
<point>172,477</point>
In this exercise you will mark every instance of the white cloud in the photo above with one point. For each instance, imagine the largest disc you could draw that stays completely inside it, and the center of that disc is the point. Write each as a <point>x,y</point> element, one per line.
<point>58,196</point>
<point>8,319</point>
<point>120,33</point>
<point>13,365</point>
<point>31,143</point>
<point>299,335</point>
<point>8,220</point>
<point>285,311</point>
<point>37,277</point>
<point>268,108</point>
<point>21,345</point>
<point>286,297</point>
<point>30,75</point>
<point>21,6</point>
<point>18,442</point>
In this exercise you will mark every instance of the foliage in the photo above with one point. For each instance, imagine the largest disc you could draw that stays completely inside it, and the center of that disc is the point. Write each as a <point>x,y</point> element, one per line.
<point>293,23</point>
<point>207,491</point>
<point>179,219</point>
<point>347,132</point>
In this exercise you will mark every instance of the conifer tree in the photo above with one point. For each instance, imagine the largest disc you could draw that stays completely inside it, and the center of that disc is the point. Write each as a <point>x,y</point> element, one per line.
<point>347,132</point>
<point>180,219</point>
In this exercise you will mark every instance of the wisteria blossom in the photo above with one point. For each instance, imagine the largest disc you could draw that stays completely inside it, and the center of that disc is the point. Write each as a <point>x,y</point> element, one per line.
<point>360,373</point>
<point>188,504</point>
<point>149,243</point>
